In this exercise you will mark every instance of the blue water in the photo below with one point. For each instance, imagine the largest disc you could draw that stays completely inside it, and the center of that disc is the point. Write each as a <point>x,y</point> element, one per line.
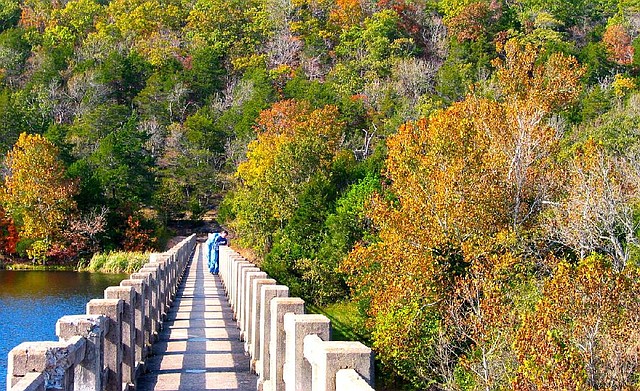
<point>32,301</point>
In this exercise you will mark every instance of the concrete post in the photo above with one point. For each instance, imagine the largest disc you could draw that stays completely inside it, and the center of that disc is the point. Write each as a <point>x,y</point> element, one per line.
<point>147,309</point>
<point>225,258</point>
<point>173,274</point>
<point>231,259</point>
<point>235,284</point>
<point>139,287</point>
<point>88,374</point>
<point>242,296</point>
<point>111,308</point>
<point>297,370</point>
<point>248,308</point>
<point>254,347</point>
<point>154,311</point>
<point>328,357</point>
<point>160,266</point>
<point>56,360</point>
<point>164,263</point>
<point>350,380</point>
<point>127,295</point>
<point>263,365</point>
<point>279,307</point>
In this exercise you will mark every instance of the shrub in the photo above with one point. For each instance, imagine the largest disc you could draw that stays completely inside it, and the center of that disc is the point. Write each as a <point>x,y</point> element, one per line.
<point>118,262</point>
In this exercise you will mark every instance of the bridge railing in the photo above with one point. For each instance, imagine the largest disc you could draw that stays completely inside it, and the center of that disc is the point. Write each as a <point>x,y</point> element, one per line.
<point>105,348</point>
<point>290,350</point>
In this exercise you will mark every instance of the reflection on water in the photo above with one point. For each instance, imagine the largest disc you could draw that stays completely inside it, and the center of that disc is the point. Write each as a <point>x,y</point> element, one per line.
<point>32,301</point>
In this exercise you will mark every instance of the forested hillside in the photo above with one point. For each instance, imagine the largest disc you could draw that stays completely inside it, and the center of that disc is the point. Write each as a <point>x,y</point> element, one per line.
<point>466,171</point>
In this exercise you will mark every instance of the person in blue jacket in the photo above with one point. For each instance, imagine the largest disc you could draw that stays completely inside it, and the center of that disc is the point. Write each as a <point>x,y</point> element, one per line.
<point>213,244</point>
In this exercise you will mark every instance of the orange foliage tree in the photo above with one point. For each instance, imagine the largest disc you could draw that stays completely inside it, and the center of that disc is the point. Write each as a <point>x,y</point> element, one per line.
<point>465,184</point>
<point>584,333</point>
<point>619,44</point>
<point>136,238</point>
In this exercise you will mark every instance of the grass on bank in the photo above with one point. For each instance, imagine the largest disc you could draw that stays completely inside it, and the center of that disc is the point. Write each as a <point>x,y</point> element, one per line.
<point>118,262</point>
<point>346,322</point>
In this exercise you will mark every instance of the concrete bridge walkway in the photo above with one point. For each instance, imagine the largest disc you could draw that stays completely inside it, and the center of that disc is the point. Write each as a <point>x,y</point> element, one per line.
<point>199,346</point>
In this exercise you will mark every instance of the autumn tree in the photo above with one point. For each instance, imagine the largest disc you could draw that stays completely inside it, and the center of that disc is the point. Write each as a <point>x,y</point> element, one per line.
<point>598,212</point>
<point>618,43</point>
<point>36,192</point>
<point>530,93</point>
<point>583,333</point>
<point>8,234</point>
<point>465,184</point>
<point>294,144</point>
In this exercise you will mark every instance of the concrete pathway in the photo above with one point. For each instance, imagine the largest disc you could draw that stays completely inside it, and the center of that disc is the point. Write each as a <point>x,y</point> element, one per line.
<point>199,347</point>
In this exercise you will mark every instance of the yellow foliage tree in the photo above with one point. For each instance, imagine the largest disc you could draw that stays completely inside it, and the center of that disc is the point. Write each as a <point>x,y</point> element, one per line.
<point>295,143</point>
<point>36,192</point>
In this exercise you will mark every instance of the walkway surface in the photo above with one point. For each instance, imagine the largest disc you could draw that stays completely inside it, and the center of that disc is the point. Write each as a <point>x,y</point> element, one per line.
<point>199,347</point>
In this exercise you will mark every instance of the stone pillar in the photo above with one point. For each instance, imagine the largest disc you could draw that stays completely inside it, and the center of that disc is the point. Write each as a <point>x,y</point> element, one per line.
<point>88,373</point>
<point>112,309</point>
<point>56,360</point>
<point>147,309</point>
<point>328,357</point>
<point>254,347</point>
<point>241,303</point>
<point>127,295</point>
<point>154,311</point>
<point>235,284</point>
<point>297,370</point>
<point>225,259</point>
<point>248,307</point>
<point>350,380</point>
<point>139,287</point>
<point>279,307</point>
<point>160,264</point>
<point>263,365</point>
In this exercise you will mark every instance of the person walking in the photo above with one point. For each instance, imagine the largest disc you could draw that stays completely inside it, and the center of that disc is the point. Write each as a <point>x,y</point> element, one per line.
<point>213,244</point>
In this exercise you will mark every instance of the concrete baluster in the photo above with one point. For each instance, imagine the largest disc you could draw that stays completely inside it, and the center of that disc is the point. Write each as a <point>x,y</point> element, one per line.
<point>279,307</point>
<point>154,311</point>
<point>254,348</point>
<point>263,365</point>
<point>55,360</point>
<point>350,380</point>
<point>237,259</point>
<point>112,309</point>
<point>248,308</point>
<point>147,309</point>
<point>236,285</point>
<point>128,331</point>
<point>241,301</point>
<point>328,357</point>
<point>159,265</point>
<point>139,286</point>
<point>224,259</point>
<point>297,370</point>
<point>89,372</point>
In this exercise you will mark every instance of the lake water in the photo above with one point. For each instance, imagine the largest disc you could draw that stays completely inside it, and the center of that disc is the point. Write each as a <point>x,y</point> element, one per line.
<point>32,301</point>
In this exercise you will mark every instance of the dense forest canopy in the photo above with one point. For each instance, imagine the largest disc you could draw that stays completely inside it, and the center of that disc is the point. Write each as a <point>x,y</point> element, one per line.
<point>466,171</point>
